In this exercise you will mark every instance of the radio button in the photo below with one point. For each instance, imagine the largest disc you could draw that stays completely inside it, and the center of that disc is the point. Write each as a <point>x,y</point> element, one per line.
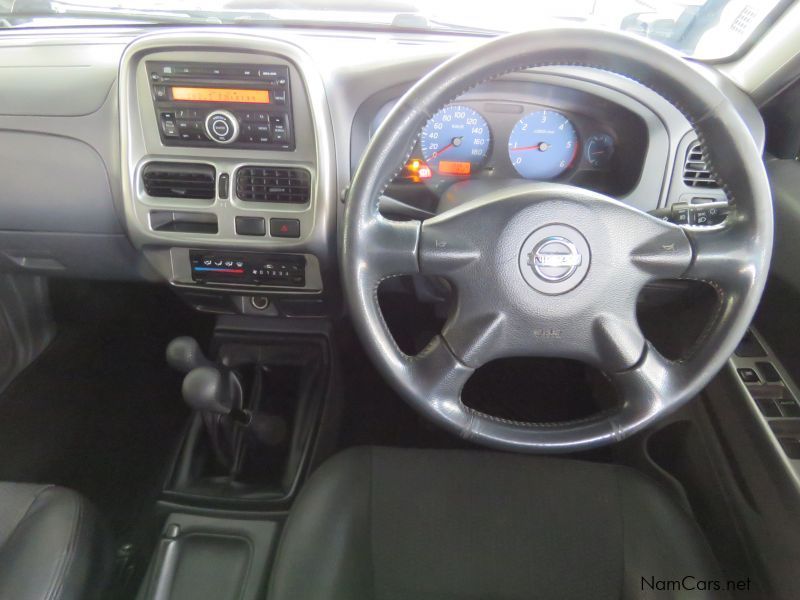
<point>222,127</point>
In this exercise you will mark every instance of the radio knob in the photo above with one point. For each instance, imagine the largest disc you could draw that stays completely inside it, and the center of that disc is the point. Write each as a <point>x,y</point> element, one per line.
<point>222,127</point>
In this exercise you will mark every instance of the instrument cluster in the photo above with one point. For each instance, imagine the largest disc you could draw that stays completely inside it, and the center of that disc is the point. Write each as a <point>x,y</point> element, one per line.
<point>553,135</point>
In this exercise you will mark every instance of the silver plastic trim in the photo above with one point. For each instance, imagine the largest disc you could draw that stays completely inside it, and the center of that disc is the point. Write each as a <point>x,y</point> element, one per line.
<point>318,217</point>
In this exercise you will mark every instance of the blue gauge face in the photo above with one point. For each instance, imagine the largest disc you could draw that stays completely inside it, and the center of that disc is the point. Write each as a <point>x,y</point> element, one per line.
<point>542,145</point>
<point>455,141</point>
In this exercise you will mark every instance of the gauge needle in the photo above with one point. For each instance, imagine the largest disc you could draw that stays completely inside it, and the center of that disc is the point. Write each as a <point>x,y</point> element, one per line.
<point>456,142</point>
<point>540,146</point>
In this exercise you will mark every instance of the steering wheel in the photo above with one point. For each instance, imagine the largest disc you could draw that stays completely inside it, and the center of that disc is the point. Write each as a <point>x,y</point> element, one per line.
<point>541,269</point>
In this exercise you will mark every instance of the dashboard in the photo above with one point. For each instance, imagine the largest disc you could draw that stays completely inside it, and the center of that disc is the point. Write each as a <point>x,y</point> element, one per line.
<point>218,159</point>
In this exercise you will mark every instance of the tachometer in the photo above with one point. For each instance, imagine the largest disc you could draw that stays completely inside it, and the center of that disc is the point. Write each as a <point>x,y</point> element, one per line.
<point>456,141</point>
<point>542,145</point>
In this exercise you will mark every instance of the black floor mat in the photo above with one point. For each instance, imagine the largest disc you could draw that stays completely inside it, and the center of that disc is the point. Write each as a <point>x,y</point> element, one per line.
<point>99,411</point>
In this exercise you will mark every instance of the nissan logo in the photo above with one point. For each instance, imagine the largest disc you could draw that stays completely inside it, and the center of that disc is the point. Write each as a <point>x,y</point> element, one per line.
<point>554,259</point>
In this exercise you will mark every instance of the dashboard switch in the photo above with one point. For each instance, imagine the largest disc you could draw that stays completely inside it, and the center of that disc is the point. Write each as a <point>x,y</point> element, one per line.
<point>250,226</point>
<point>749,375</point>
<point>768,408</point>
<point>284,228</point>
<point>789,408</point>
<point>680,214</point>
<point>768,372</point>
<point>224,186</point>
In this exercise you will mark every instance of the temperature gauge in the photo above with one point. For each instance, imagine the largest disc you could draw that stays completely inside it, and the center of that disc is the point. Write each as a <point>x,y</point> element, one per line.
<point>599,150</point>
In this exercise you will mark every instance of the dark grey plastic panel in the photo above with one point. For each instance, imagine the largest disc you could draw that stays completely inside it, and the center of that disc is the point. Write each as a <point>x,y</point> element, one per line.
<point>784,177</point>
<point>26,323</point>
<point>53,183</point>
<point>205,558</point>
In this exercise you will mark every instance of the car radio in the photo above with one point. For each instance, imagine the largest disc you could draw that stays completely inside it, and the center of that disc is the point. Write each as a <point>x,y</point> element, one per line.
<point>233,105</point>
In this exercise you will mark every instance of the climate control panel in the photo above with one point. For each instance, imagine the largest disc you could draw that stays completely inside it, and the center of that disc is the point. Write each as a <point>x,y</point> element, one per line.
<point>247,268</point>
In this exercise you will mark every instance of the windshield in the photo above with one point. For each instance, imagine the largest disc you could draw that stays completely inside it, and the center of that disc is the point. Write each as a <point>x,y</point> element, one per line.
<point>700,28</point>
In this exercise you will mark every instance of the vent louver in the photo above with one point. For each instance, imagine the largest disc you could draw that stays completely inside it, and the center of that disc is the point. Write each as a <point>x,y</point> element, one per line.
<point>745,20</point>
<point>273,184</point>
<point>695,170</point>
<point>179,180</point>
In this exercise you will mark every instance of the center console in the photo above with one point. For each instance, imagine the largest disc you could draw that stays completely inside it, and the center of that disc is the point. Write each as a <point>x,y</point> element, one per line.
<point>229,172</point>
<point>229,193</point>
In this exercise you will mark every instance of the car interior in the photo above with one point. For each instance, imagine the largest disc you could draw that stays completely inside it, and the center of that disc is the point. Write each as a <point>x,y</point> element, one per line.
<point>307,300</point>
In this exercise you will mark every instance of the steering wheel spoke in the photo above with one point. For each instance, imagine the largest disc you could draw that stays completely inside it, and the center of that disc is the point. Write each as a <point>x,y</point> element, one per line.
<point>723,258</point>
<point>392,247</point>
<point>618,341</point>
<point>646,389</point>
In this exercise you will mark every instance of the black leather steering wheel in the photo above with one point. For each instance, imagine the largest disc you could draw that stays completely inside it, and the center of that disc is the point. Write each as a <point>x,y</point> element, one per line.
<point>541,269</point>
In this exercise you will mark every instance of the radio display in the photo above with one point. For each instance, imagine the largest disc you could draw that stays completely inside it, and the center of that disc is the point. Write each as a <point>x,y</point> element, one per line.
<point>201,94</point>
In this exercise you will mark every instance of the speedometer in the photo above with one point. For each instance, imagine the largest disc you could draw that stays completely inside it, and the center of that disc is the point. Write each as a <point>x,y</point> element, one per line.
<point>542,145</point>
<point>456,141</point>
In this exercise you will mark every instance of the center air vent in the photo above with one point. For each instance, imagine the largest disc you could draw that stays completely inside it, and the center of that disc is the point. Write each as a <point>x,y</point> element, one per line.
<point>273,184</point>
<point>695,170</point>
<point>179,180</point>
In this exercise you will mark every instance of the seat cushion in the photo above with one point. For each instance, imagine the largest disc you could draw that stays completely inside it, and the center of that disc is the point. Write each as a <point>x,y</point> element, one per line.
<point>50,545</point>
<point>387,524</point>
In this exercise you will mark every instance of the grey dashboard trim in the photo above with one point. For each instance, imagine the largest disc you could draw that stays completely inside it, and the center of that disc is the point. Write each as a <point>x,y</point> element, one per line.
<point>78,76</point>
<point>315,150</point>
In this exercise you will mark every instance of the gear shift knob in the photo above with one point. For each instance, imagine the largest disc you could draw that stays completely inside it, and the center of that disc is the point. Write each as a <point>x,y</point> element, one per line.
<point>184,354</point>
<point>209,390</point>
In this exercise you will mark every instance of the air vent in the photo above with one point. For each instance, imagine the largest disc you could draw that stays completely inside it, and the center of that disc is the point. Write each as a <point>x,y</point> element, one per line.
<point>273,184</point>
<point>695,171</point>
<point>179,180</point>
<point>745,20</point>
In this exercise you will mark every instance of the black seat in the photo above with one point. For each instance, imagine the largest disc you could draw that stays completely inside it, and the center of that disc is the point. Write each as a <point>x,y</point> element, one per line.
<point>50,545</point>
<point>391,524</point>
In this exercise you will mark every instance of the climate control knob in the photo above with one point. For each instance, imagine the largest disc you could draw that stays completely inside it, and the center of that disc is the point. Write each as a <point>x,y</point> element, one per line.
<point>222,127</point>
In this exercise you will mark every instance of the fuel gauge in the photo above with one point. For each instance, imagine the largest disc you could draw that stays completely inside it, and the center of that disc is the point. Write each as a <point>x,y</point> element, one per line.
<point>599,150</point>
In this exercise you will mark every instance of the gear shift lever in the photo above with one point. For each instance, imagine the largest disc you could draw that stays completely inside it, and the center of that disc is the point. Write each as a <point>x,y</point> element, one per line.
<point>184,354</point>
<point>208,390</point>
<point>214,392</point>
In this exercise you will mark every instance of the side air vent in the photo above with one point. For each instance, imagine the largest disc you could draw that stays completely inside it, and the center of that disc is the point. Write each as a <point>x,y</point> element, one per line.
<point>695,171</point>
<point>179,180</point>
<point>273,184</point>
